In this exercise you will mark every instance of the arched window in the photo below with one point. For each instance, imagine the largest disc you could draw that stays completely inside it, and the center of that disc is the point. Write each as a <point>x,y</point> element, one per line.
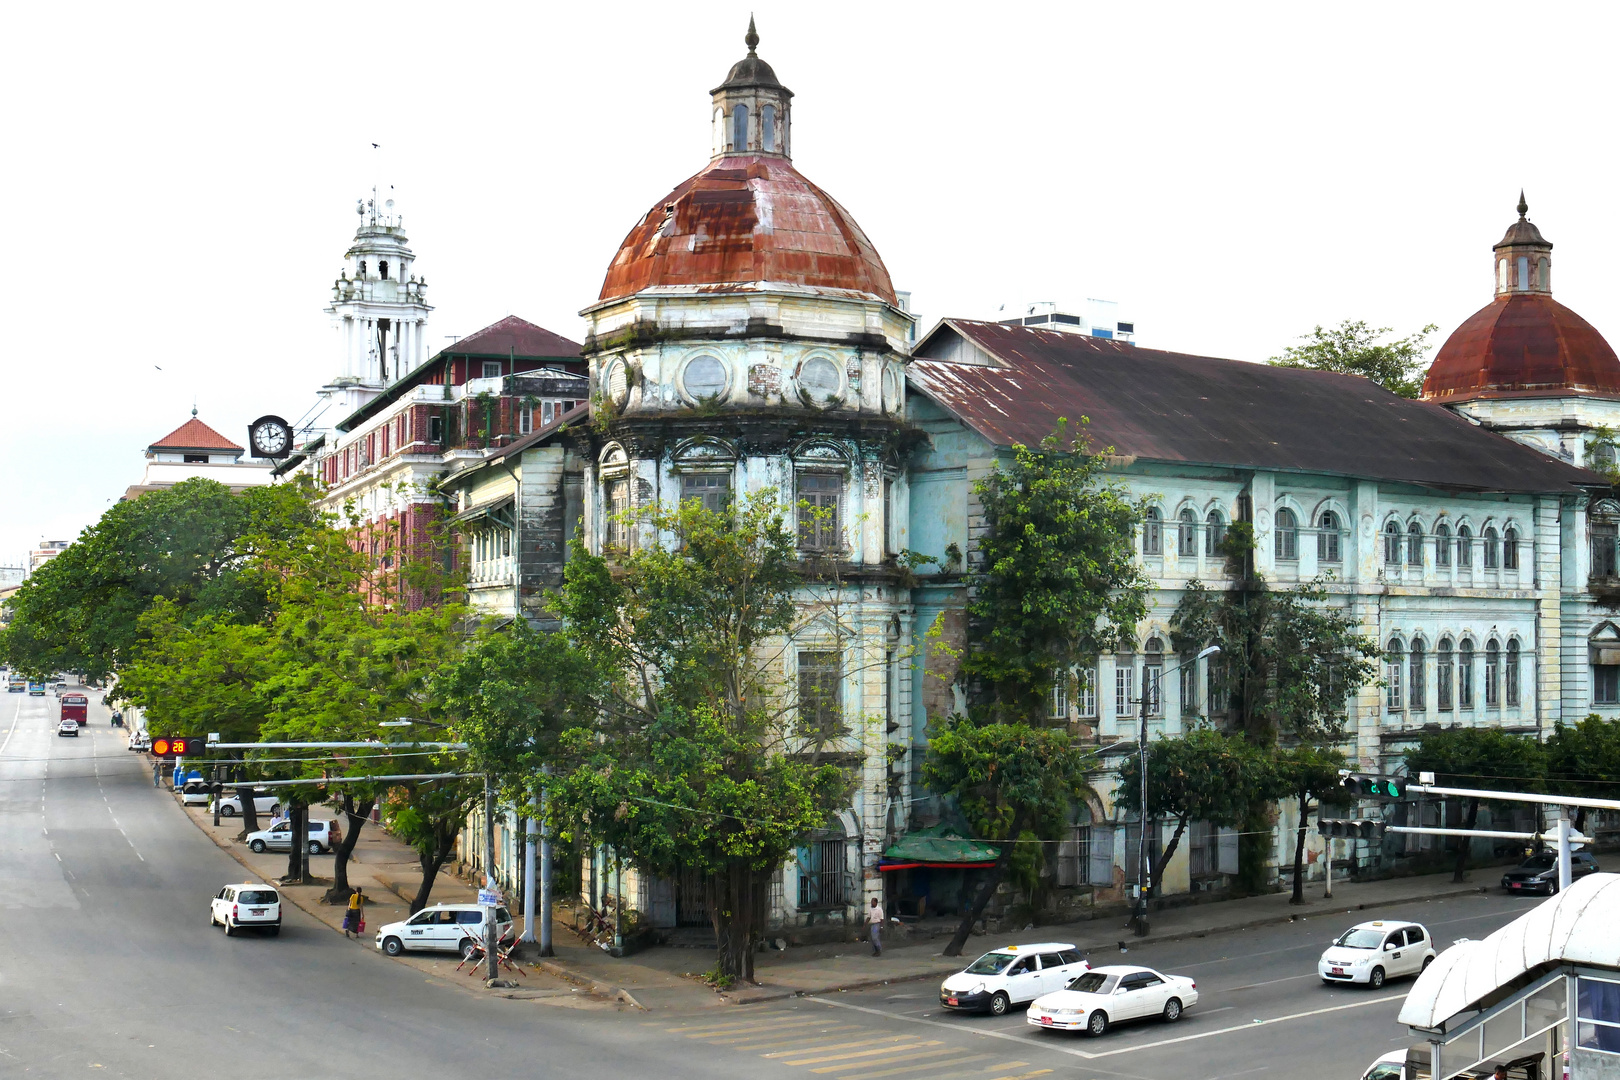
<point>1524,272</point>
<point>1444,670</point>
<point>1465,546</point>
<point>1415,682</point>
<point>1510,548</point>
<point>1442,545</point>
<point>1187,534</point>
<point>1153,676</point>
<point>1392,544</point>
<point>767,128</point>
<point>1152,532</point>
<point>382,269</point>
<point>1465,675</point>
<point>1493,660</point>
<point>1414,544</point>
<point>362,268</point>
<point>1501,274</point>
<point>1394,669</point>
<point>1493,554</point>
<point>1510,674</point>
<point>1287,545</point>
<point>1544,276</point>
<point>739,128</point>
<point>1214,533</point>
<point>1327,537</point>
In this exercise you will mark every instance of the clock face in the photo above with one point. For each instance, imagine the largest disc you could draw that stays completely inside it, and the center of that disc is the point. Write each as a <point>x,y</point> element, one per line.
<point>271,437</point>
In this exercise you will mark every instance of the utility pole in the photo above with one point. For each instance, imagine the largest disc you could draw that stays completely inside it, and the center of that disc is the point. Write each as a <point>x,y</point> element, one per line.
<point>529,837</point>
<point>491,931</point>
<point>545,881</point>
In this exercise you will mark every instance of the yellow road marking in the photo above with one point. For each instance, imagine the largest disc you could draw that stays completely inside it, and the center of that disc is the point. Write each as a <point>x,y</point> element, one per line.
<point>864,1053</point>
<point>843,1046</point>
<point>737,1029</point>
<point>1025,1076</point>
<point>886,1061</point>
<point>917,1068</point>
<point>1005,1065</point>
<point>748,1042</point>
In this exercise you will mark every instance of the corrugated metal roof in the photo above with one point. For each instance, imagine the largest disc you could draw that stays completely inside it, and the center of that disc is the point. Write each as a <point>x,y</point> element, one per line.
<point>513,335</point>
<point>748,218</point>
<point>1176,407</point>
<point>1519,344</point>
<point>194,435</point>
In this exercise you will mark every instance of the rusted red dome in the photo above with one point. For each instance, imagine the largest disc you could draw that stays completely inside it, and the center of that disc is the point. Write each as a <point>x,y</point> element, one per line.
<point>1522,344</point>
<point>745,220</point>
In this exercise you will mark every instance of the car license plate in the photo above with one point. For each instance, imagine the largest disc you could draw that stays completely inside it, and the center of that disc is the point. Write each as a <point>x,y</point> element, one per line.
<point>256,911</point>
<point>952,1001</point>
<point>1338,971</point>
<point>1514,885</point>
<point>1047,1020</point>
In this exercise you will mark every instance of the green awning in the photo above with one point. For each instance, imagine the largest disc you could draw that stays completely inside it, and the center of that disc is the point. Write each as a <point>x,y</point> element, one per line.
<point>941,845</point>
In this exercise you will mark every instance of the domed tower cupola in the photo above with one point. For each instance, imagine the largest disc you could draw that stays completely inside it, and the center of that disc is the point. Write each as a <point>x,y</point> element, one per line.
<point>1523,258</point>
<point>751,111</point>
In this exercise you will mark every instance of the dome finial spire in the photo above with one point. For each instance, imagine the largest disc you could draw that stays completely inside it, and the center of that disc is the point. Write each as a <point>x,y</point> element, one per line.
<point>752,39</point>
<point>1524,207</point>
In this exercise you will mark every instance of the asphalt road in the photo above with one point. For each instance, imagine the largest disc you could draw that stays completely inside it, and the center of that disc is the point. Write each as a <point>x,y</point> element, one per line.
<point>108,967</point>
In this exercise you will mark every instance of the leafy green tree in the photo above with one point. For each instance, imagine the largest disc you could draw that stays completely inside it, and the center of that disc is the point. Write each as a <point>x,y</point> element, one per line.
<point>1054,580</point>
<point>1204,775</point>
<point>428,816</point>
<point>693,759</point>
<point>1475,757</point>
<point>1582,759</point>
<point>192,545</point>
<point>1307,771</point>
<point>1354,348</point>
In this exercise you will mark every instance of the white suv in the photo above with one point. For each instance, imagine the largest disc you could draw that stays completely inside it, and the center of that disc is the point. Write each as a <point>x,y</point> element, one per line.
<point>323,837</point>
<point>446,927</point>
<point>236,907</point>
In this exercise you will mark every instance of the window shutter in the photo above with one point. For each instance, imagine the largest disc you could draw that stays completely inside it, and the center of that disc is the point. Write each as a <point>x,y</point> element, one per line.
<point>1227,843</point>
<point>1101,868</point>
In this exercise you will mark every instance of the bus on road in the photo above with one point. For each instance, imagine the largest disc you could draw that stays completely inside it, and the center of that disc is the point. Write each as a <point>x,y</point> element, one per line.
<point>16,685</point>
<point>76,707</point>
<point>36,689</point>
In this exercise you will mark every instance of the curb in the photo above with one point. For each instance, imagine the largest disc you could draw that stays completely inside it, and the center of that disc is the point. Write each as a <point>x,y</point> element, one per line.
<point>590,986</point>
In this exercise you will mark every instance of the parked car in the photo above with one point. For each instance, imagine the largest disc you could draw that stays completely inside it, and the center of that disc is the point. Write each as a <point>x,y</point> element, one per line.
<point>323,837</point>
<point>230,804</point>
<point>1015,973</point>
<point>140,741</point>
<point>68,727</point>
<point>1392,1066</point>
<point>1539,873</point>
<point>1373,952</point>
<point>1105,996</point>
<point>237,907</point>
<point>196,793</point>
<point>443,927</point>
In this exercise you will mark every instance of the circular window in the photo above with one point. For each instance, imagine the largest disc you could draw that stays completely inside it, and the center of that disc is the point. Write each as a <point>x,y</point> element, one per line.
<point>819,379</point>
<point>704,377</point>
<point>617,383</point>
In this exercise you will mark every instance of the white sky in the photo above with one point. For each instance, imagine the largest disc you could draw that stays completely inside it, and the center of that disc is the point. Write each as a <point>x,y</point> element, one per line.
<point>180,181</point>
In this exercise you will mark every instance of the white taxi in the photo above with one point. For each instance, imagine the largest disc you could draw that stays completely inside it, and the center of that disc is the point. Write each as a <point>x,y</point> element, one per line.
<point>1102,997</point>
<point>238,907</point>
<point>1371,953</point>
<point>1013,973</point>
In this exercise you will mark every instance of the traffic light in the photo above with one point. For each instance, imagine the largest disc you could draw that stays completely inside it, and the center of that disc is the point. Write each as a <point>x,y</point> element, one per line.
<point>1355,829</point>
<point>168,746</point>
<point>1375,787</point>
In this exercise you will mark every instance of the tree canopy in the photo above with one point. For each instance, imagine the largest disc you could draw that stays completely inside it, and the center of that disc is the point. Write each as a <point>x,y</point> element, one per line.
<point>1478,758</point>
<point>1354,348</point>
<point>191,545</point>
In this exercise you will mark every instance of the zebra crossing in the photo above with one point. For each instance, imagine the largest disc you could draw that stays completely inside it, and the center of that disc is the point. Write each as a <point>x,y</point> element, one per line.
<point>825,1047</point>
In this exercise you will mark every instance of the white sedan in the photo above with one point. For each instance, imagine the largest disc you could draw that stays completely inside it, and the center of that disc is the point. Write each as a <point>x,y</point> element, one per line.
<point>1105,996</point>
<point>1371,952</point>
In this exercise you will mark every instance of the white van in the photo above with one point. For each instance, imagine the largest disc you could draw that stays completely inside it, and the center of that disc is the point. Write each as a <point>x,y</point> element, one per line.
<point>442,927</point>
<point>1014,973</point>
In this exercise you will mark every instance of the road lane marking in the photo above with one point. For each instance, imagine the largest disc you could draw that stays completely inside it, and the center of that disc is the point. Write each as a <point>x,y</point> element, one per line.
<point>1025,1038</point>
<point>837,1046</point>
<point>807,1043</point>
<point>749,1042</point>
<point>1025,1076</point>
<point>737,1029</point>
<point>928,1065</point>
<point>16,714</point>
<point>864,1053</point>
<point>896,1060</point>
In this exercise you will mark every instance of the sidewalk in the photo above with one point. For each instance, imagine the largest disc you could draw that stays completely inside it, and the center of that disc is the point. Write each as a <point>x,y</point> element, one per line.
<point>665,977</point>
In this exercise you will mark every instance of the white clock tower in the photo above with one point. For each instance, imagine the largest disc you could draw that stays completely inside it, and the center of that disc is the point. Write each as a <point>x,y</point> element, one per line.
<point>379,313</point>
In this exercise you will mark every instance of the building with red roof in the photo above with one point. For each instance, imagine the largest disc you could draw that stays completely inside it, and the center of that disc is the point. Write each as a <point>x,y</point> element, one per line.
<point>194,450</point>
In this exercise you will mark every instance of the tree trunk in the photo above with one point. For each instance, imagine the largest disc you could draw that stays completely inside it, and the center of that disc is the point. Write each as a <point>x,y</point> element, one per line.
<point>987,889</point>
<point>431,863</point>
<point>1299,850</point>
<point>1463,842</point>
<point>1164,856</point>
<point>357,814</point>
<point>737,898</point>
<point>250,810</point>
<point>297,837</point>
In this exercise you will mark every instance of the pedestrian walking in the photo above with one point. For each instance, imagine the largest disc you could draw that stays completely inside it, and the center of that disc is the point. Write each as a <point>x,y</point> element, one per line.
<point>354,919</point>
<point>157,771</point>
<point>874,920</point>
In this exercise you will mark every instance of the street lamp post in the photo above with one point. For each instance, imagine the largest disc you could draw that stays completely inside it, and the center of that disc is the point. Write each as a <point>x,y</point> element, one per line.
<point>1139,923</point>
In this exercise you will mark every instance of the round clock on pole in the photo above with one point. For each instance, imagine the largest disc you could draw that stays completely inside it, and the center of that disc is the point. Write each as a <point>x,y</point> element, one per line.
<point>270,437</point>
